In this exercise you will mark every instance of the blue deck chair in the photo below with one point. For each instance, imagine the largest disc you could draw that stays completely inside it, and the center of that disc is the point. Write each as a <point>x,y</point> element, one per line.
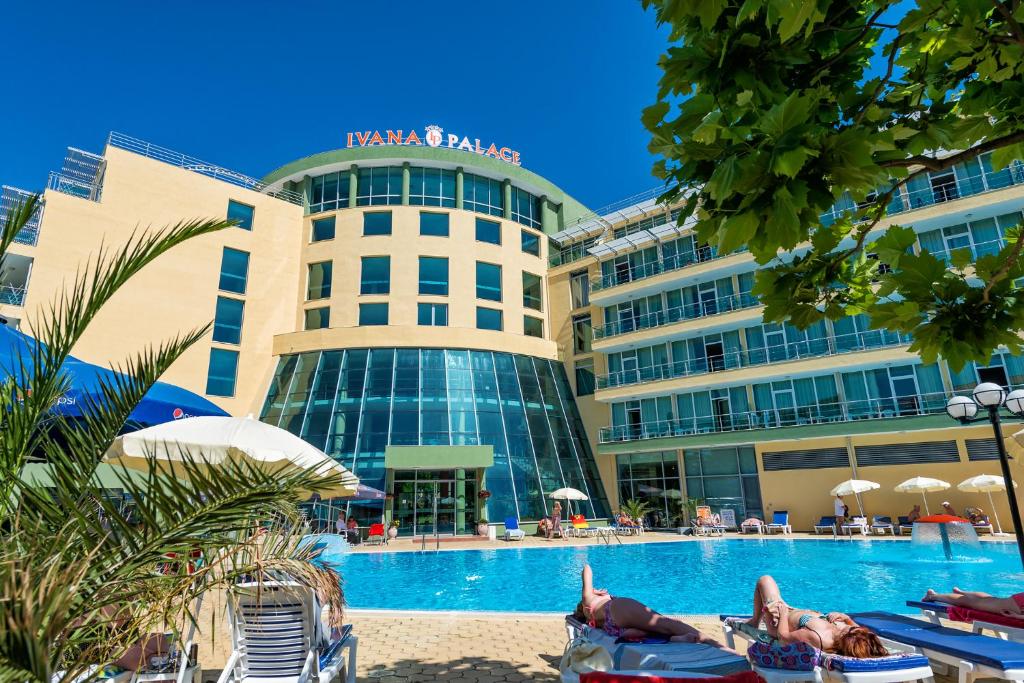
<point>882,523</point>
<point>827,523</point>
<point>512,530</point>
<point>974,654</point>
<point>935,611</point>
<point>780,522</point>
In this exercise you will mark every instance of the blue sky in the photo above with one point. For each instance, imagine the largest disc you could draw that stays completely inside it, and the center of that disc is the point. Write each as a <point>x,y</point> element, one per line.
<point>253,85</point>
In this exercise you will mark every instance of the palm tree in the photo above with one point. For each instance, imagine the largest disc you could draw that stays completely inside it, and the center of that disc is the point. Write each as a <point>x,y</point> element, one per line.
<point>636,509</point>
<point>78,579</point>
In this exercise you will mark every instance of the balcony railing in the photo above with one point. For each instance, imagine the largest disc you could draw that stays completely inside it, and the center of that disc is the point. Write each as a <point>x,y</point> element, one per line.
<point>59,182</point>
<point>977,249</point>
<point>850,411</point>
<point>9,198</point>
<point>811,348</point>
<point>12,296</point>
<point>571,253</point>
<point>664,265</point>
<point>692,311</point>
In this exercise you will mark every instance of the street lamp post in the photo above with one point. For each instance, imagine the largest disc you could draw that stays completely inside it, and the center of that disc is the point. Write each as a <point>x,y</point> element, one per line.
<point>991,397</point>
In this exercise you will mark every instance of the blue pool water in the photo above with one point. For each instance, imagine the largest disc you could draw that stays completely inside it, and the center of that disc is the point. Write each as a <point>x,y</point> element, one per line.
<point>702,577</point>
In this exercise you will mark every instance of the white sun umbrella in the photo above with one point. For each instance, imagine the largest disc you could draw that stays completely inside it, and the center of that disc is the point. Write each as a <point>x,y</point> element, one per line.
<point>568,494</point>
<point>215,441</point>
<point>855,487</point>
<point>923,485</point>
<point>986,483</point>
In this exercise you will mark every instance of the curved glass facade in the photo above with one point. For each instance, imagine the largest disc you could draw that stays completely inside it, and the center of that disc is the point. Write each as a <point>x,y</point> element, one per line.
<point>353,403</point>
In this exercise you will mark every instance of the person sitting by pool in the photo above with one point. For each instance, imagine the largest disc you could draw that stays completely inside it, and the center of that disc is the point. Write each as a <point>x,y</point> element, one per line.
<point>830,631</point>
<point>914,515</point>
<point>948,509</point>
<point>626,521</point>
<point>630,619</point>
<point>977,516</point>
<point>1012,606</point>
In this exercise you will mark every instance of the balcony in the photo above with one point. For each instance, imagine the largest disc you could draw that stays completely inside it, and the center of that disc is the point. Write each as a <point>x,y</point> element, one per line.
<point>14,279</point>
<point>9,198</point>
<point>825,413</point>
<point>12,296</point>
<point>811,348</point>
<point>664,265</point>
<point>699,309</point>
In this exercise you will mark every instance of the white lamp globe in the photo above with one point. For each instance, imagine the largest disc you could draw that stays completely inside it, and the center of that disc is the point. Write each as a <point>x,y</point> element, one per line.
<point>961,407</point>
<point>1015,401</point>
<point>989,394</point>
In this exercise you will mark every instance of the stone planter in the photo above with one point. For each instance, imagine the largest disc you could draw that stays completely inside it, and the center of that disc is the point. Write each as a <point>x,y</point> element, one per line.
<point>392,532</point>
<point>481,529</point>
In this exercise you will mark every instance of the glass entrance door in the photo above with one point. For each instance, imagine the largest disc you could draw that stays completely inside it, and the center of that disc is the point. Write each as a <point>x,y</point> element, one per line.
<point>435,501</point>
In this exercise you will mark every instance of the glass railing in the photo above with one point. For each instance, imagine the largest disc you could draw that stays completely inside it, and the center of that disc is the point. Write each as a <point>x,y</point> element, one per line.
<point>977,249</point>
<point>571,253</point>
<point>810,348</point>
<point>823,413</point>
<point>692,311</point>
<point>12,296</point>
<point>664,265</point>
<point>11,197</point>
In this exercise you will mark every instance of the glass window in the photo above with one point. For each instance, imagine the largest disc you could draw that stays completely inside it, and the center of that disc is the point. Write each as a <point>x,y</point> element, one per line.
<point>323,229</point>
<point>435,224</point>
<point>317,318</point>
<point>582,333</point>
<point>373,314</point>
<point>243,213</point>
<point>227,323</point>
<point>482,195</point>
<point>525,208</point>
<point>433,275</point>
<point>435,315</point>
<point>488,318</point>
<point>532,291</point>
<point>431,187</point>
<point>376,275</point>
<point>234,270</point>
<point>488,281</point>
<point>531,243</point>
<point>380,185</point>
<point>377,223</point>
<point>488,231</point>
<point>533,327</point>
<point>220,376</point>
<point>579,289</point>
<point>585,377</point>
<point>319,280</point>
<point>329,192</point>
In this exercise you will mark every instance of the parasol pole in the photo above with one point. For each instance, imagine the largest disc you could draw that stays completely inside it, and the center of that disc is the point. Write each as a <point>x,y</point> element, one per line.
<point>992,507</point>
<point>925,496</point>
<point>859,505</point>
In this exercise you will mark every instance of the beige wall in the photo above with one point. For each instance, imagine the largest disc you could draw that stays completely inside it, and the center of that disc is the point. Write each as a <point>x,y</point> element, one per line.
<point>177,292</point>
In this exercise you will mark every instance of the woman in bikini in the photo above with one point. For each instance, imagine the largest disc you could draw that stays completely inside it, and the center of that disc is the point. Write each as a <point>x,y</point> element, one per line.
<point>629,618</point>
<point>1012,606</point>
<point>831,631</point>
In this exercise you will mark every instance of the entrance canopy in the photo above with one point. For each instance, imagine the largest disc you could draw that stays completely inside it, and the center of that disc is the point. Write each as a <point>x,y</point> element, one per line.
<point>438,457</point>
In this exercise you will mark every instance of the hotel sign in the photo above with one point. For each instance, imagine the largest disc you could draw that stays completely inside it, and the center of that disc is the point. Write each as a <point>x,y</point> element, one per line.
<point>433,136</point>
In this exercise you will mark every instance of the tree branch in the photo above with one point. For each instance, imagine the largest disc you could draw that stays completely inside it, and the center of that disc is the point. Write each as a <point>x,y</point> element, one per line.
<point>885,79</point>
<point>1015,26</point>
<point>854,42</point>
<point>1000,274</point>
<point>934,164</point>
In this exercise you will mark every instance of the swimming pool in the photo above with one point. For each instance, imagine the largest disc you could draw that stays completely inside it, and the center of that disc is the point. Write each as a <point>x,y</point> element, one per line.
<point>699,577</point>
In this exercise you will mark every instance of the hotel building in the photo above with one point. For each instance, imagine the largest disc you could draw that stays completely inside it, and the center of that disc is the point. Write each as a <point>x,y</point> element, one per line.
<point>456,328</point>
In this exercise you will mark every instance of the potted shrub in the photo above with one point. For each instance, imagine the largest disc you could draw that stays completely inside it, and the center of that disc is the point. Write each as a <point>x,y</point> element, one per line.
<point>481,527</point>
<point>393,529</point>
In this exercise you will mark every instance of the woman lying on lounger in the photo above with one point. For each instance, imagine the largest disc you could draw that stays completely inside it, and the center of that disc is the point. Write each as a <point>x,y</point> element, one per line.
<point>831,631</point>
<point>629,618</point>
<point>1012,606</point>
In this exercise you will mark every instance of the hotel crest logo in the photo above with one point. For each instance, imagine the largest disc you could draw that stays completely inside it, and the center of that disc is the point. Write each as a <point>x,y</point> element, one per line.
<point>433,136</point>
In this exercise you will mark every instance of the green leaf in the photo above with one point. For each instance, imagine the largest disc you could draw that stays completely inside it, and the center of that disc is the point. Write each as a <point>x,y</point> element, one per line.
<point>961,258</point>
<point>737,230</point>
<point>709,11</point>
<point>1002,157</point>
<point>743,99</point>
<point>721,182</point>
<point>654,114</point>
<point>789,163</point>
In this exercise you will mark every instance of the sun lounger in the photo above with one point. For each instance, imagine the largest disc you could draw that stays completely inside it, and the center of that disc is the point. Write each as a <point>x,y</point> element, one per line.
<point>906,527</point>
<point>277,634</point>
<point>512,530</point>
<point>581,527</point>
<point>975,655</point>
<point>978,528</point>
<point>826,523</point>
<point>882,524</point>
<point>708,530</point>
<point>657,676</point>
<point>778,663</point>
<point>661,656</point>
<point>1005,627</point>
<point>858,524</point>
<point>375,536</point>
<point>780,522</point>
<point>748,527</point>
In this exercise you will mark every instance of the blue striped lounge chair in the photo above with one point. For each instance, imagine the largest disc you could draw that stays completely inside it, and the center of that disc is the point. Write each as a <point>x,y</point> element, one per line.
<point>512,530</point>
<point>277,635</point>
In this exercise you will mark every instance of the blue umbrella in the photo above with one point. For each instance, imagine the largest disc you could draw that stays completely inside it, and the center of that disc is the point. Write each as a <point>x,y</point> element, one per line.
<point>162,403</point>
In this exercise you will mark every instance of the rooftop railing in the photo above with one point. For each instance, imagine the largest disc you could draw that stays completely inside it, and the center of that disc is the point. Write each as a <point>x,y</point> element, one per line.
<point>822,413</point>
<point>692,311</point>
<point>12,296</point>
<point>810,348</point>
<point>645,270</point>
<point>9,198</point>
<point>199,166</point>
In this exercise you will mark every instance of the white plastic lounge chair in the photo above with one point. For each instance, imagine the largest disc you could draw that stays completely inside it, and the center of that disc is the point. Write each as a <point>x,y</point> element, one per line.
<point>748,526</point>
<point>936,611</point>
<point>689,657</point>
<point>906,527</point>
<point>826,523</point>
<point>780,522</point>
<point>512,530</point>
<point>975,655</point>
<point>858,524</point>
<point>901,665</point>
<point>882,524</point>
<point>277,635</point>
